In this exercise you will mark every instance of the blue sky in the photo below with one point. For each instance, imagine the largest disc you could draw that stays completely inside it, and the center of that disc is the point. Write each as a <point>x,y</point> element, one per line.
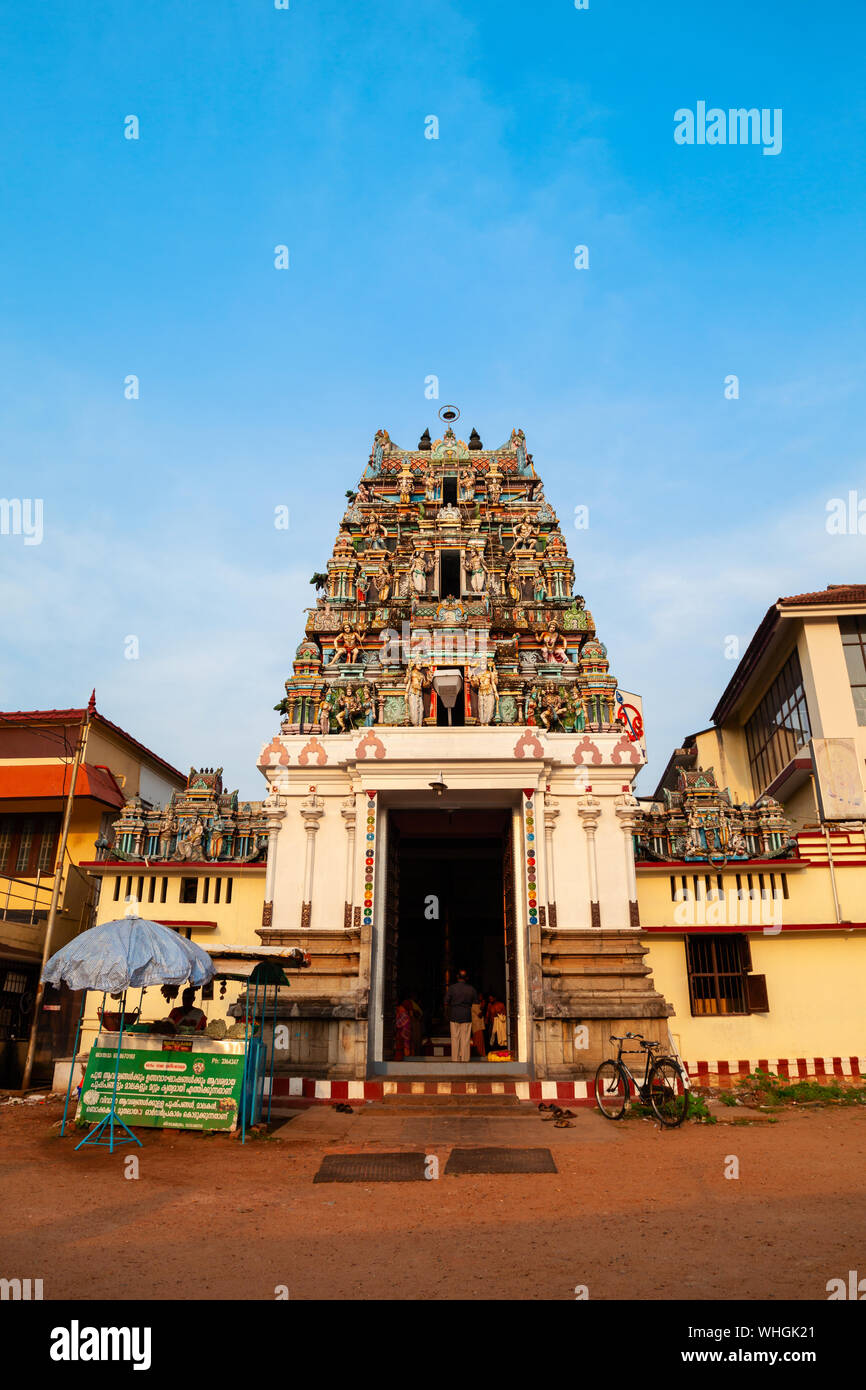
<point>412,257</point>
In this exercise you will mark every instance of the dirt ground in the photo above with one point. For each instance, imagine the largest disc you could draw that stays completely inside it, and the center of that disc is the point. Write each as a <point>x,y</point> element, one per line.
<point>633,1213</point>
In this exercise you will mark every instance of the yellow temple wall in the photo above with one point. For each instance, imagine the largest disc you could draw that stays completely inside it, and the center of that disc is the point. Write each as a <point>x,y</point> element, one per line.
<point>815,994</point>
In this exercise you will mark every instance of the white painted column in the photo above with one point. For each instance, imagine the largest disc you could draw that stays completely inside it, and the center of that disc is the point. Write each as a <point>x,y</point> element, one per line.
<point>274,808</point>
<point>551,811</point>
<point>627,808</point>
<point>312,809</point>
<point>589,810</point>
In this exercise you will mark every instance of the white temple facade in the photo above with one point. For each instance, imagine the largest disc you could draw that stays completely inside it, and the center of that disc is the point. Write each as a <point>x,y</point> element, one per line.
<point>451,784</point>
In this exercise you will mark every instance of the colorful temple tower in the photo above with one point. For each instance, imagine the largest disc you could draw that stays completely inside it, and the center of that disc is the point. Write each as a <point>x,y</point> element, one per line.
<point>450,786</point>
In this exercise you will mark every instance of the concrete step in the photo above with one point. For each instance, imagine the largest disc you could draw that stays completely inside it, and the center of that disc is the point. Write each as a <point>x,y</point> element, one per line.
<point>459,1110</point>
<point>393,1102</point>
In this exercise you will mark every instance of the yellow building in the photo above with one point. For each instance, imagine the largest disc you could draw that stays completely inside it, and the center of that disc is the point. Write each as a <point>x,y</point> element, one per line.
<point>751,855</point>
<point>37,748</point>
<point>196,864</point>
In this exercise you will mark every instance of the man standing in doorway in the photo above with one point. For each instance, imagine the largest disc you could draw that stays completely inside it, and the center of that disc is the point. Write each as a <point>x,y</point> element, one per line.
<point>459,998</point>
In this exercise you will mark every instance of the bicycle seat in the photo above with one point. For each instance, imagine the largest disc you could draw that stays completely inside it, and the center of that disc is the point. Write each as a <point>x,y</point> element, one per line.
<point>648,1045</point>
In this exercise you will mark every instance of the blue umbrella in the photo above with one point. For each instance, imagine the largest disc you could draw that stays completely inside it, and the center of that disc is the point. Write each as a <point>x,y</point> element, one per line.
<point>128,953</point>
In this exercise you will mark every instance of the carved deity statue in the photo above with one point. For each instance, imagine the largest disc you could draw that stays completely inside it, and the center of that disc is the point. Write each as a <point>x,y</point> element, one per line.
<point>431,486</point>
<point>348,705</point>
<point>375,534</point>
<point>384,580</point>
<point>368,704</point>
<point>167,828</point>
<point>347,645</point>
<point>494,489</point>
<point>421,566</point>
<point>483,679</point>
<point>477,572</point>
<point>553,645</point>
<point>407,482</point>
<point>539,584</point>
<point>418,678</point>
<point>323,712</point>
<point>553,707</point>
<point>466,481</point>
<point>524,537</point>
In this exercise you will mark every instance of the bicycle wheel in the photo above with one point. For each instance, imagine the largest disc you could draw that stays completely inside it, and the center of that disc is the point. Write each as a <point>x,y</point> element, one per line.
<point>611,1090</point>
<point>669,1096</point>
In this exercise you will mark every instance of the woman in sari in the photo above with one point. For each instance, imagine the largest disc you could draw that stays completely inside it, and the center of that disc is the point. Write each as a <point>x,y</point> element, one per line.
<point>478,1026</point>
<point>403,1026</point>
<point>498,1024</point>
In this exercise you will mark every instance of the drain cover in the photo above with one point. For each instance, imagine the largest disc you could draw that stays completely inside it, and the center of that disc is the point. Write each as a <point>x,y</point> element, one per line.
<point>464,1161</point>
<point>401,1167</point>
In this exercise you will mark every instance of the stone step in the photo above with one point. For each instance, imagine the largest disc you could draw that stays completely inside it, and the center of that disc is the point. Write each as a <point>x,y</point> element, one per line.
<point>457,1108</point>
<point>449,1102</point>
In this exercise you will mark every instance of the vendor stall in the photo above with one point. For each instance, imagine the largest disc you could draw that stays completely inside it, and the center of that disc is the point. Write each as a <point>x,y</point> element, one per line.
<point>128,953</point>
<point>155,1067</point>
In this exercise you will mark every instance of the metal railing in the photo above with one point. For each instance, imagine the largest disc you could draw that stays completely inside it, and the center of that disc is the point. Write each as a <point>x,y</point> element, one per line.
<point>25,892</point>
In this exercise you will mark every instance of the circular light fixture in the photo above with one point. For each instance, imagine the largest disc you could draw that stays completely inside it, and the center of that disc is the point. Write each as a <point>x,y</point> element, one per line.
<point>449,413</point>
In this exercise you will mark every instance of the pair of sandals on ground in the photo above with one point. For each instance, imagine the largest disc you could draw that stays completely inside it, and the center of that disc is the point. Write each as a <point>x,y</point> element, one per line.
<point>561,1118</point>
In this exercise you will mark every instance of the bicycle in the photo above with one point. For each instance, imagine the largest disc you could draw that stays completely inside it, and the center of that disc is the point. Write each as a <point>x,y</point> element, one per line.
<point>665,1086</point>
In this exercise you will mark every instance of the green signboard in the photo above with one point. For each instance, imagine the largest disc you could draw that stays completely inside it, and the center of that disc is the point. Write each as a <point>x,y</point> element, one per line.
<point>163,1084</point>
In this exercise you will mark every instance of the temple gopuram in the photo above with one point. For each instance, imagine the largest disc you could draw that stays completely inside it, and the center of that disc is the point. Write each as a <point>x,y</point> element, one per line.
<point>447,600</point>
<point>450,783</point>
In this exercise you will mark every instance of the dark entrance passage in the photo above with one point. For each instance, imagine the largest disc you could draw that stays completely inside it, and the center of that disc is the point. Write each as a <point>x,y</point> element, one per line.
<point>449,907</point>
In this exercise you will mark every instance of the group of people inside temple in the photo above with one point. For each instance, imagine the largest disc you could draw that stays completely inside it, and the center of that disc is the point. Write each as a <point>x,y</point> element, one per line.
<point>477,1023</point>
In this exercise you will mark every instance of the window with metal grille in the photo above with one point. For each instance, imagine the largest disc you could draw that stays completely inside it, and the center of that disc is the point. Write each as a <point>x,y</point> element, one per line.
<point>780,726</point>
<point>48,845</point>
<point>717,968</point>
<point>853,634</point>
<point>25,843</point>
<point>5,842</point>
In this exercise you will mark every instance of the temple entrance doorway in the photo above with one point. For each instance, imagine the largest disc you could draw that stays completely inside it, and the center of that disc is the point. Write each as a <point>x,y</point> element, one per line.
<point>449,906</point>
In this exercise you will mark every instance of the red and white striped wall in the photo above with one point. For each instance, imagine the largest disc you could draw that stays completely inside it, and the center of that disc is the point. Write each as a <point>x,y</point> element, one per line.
<point>312,1090</point>
<point>793,1068</point>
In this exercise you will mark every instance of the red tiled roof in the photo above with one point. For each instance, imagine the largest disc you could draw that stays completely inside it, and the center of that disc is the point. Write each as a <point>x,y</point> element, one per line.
<point>75,716</point>
<point>834,593</point>
<point>33,781</point>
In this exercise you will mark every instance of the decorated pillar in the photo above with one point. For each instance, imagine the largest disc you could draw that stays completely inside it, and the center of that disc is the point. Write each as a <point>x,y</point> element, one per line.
<point>274,809</point>
<point>627,810</point>
<point>589,810</point>
<point>312,809</point>
<point>347,811</point>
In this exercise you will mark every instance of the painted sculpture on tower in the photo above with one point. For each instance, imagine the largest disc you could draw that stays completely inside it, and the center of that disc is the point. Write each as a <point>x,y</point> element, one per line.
<point>449,558</point>
<point>698,821</point>
<point>202,824</point>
